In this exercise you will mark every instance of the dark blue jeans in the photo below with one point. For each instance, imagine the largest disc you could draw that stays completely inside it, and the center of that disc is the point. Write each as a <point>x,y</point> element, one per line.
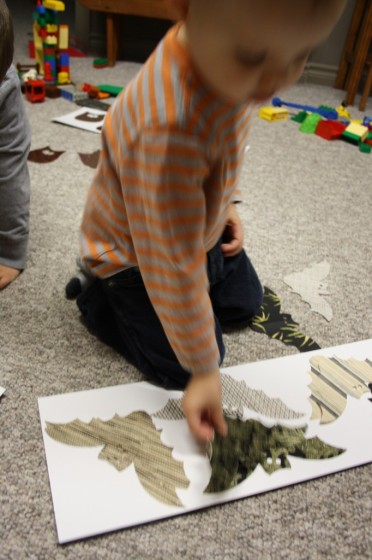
<point>118,310</point>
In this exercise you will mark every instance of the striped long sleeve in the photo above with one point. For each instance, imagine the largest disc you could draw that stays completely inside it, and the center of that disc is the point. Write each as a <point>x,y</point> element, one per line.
<point>170,158</point>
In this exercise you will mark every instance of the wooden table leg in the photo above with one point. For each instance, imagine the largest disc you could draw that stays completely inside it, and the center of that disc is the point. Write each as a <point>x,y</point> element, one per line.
<point>349,44</point>
<point>361,53</point>
<point>112,38</point>
<point>367,89</point>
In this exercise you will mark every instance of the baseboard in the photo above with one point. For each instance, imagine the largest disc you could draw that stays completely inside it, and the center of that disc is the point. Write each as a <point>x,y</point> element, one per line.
<point>322,74</point>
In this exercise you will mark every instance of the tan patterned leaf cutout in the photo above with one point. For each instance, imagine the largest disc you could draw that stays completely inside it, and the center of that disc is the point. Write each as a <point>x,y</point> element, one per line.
<point>310,285</point>
<point>235,396</point>
<point>333,380</point>
<point>250,443</point>
<point>132,439</point>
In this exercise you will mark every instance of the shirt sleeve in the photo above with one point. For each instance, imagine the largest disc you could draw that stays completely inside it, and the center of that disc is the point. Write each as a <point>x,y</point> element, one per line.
<point>163,192</point>
<point>14,176</point>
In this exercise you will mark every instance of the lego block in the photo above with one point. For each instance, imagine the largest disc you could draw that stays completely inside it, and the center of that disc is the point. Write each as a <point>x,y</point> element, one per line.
<point>357,130</point>
<point>300,117</point>
<point>63,77</point>
<point>273,113</point>
<point>64,59</point>
<point>50,40</point>
<point>111,90</point>
<point>365,148</point>
<point>54,5</point>
<point>330,130</point>
<point>35,90</point>
<point>63,37</point>
<point>349,137</point>
<point>310,124</point>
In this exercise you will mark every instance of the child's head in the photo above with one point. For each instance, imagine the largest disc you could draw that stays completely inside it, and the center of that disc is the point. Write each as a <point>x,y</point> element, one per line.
<point>248,49</point>
<point>6,39</point>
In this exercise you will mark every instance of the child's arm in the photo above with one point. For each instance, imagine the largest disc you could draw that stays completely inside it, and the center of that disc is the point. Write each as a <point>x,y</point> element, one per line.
<point>14,179</point>
<point>233,238</point>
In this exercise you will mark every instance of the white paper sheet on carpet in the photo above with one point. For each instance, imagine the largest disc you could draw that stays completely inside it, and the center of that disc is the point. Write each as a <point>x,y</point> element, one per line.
<point>91,497</point>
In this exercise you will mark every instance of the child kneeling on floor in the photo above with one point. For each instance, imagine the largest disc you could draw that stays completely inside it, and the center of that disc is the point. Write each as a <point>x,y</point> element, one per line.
<point>160,233</point>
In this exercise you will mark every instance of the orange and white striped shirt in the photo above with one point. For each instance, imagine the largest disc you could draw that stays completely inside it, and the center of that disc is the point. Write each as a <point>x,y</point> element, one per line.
<point>171,153</point>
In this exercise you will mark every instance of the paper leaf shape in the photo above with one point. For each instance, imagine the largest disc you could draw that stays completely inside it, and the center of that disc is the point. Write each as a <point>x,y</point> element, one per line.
<point>132,439</point>
<point>90,160</point>
<point>309,284</point>
<point>333,380</point>
<point>235,396</point>
<point>269,320</point>
<point>44,155</point>
<point>249,444</point>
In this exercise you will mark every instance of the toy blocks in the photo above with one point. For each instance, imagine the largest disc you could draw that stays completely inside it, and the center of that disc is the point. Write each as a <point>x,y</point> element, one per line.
<point>355,133</point>
<point>273,113</point>
<point>330,130</point>
<point>35,90</point>
<point>310,124</point>
<point>51,42</point>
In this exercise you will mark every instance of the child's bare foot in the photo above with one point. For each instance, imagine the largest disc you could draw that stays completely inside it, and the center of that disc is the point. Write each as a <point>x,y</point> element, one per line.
<point>7,275</point>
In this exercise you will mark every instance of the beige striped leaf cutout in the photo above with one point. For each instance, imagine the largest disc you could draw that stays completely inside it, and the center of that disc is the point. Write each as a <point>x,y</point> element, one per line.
<point>132,439</point>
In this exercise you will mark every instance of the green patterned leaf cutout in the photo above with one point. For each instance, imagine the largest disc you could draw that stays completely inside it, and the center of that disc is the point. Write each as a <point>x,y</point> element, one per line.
<point>132,439</point>
<point>280,326</point>
<point>249,444</point>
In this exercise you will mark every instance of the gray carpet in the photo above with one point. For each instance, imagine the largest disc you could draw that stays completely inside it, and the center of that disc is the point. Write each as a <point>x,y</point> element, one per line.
<point>305,200</point>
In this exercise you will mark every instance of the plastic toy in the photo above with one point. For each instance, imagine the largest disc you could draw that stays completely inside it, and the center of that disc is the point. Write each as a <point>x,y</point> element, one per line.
<point>35,91</point>
<point>327,112</point>
<point>330,130</point>
<point>310,124</point>
<point>51,42</point>
<point>273,113</point>
<point>355,133</point>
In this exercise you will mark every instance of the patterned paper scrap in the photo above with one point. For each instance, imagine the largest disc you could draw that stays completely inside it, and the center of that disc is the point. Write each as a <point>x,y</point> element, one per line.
<point>310,285</point>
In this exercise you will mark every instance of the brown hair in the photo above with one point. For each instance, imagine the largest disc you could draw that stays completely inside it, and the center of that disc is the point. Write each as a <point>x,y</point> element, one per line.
<point>6,39</point>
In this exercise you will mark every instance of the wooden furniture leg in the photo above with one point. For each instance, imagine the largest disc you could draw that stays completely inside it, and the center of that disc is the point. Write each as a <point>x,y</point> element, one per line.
<point>361,53</point>
<point>111,38</point>
<point>350,43</point>
<point>367,88</point>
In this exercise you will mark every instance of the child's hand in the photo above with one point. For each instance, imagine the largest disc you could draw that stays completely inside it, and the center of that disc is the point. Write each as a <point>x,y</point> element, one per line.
<point>7,275</point>
<point>202,406</point>
<point>233,239</point>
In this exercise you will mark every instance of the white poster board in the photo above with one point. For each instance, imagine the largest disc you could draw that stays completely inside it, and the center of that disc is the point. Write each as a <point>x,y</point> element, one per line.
<point>91,496</point>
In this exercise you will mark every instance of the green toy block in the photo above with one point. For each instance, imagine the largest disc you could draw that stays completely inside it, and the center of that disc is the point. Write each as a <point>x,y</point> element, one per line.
<point>310,124</point>
<point>350,137</point>
<point>112,90</point>
<point>300,117</point>
<point>365,148</point>
<point>369,136</point>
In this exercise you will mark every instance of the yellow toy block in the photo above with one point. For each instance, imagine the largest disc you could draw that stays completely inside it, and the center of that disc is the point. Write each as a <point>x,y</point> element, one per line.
<point>50,40</point>
<point>357,130</point>
<point>273,113</point>
<point>39,51</point>
<point>54,5</point>
<point>63,38</point>
<point>343,112</point>
<point>51,28</point>
<point>63,78</point>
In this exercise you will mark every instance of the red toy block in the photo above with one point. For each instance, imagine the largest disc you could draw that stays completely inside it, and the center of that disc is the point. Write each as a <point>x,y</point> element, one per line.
<point>330,130</point>
<point>35,90</point>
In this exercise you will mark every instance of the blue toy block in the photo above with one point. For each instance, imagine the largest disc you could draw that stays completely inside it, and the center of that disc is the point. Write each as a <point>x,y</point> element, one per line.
<point>326,113</point>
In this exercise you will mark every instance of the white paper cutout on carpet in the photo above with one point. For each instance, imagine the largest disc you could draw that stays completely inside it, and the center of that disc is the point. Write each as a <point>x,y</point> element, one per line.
<point>310,285</point>
<point>92,497</point>
<point>84,118</point>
